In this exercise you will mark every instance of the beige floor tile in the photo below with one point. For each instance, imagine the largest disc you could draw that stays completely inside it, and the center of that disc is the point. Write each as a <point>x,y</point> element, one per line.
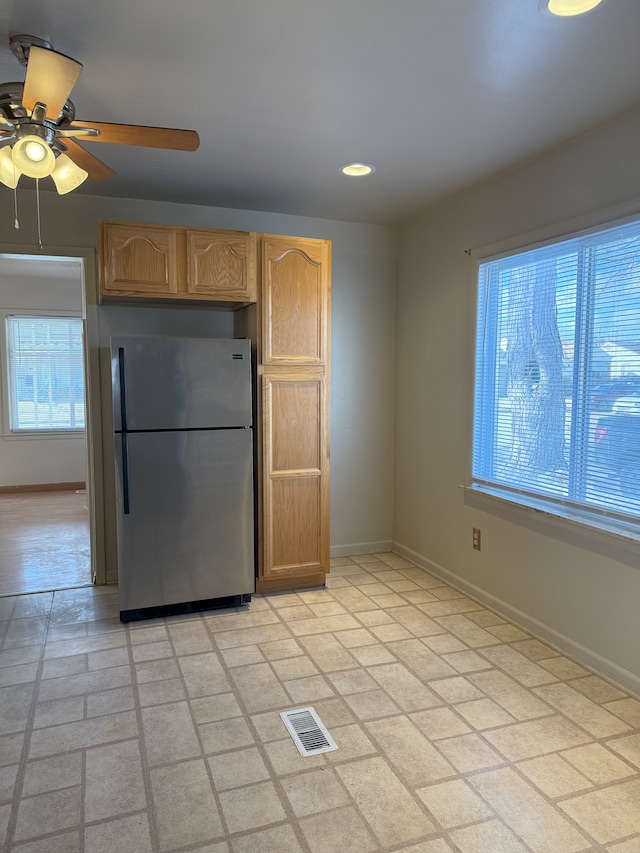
<point>147,632</point>
<point>527,813</point>
<point>421,660</point>
<point>157,670</point>
<point>290,614</point>
<point>322,625</point>
<point>58,711</point>
<point>238,768</point>
<point>415,760</point>
<point>385,803</point>
<point>51,774</point>
<point>279,649</point>
<point>456,689</point>
<point>534,649</point>
<point>329,833</point>
<point>403,687</point>
<point>554,776</point>
<point>563,667</point>
<point>435,845</point>
<point>526,671</point>
<point>450,607</point>
<point>225,621</point>
<point>402,586</point>
<point>110,836</point>
<point>419,596</point>
<point>327,653</point>
<point>83,733</point>
<point>609,814</point>
<point>161,692</point>
<point>627,709</point>
<point>242,656</point>
<point>110,701</point>
<point>597,689</point>
<point>334,712</point>
<point>252,807</point>
<point>490,837</point>
<point>203,674</point>
<point>258,687</point>
<point>306,690</point>
<point>388,600</point>
<point>507,633</point>
<point>8,776</point>
<point>454,804</point>
<point>285,758</point>
<point>352,681</point>
<point>484,714</point>
<point>443,644</point>
<point>485,618</point>
<point>252,636</point>
<point>598,763</point>
<point>372,705</point>
<point>469,752</point>
<point>353,600</point>
<point>316,791</point>
<point>84,682</point>
<point>468,661</point>
<point>415,621</point>
<point>356,638</point>
<point>71,665</point>
<point>439,723</point>
<point>630,846</point>
<point>628,747</point>
<point>114,783</point>
<point>269,726</point>
<point>328,608</point>
<point>596,720</point>
<point>179,790</point>
<point>169,733</point>
<point>11,748</point>
<point>64,842</point>
<point>390,631</point>
<point>372,655</point>
<point>352,743</point>
<point>210,709</point>
<point>279,838</point>
<point>223,735</point>
<point>517,700</point>
<point>189,638</point>
<point>375,617</point>
<point>536,737</point>
<point>296,667</point>
<point>49,812</point>
<point>107,658</point>
<point>152,651</point>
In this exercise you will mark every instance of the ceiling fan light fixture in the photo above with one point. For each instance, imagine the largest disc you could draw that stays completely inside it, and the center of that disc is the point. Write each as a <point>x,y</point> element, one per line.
<point>569,8</point>
<point>357,170</point>
<point>33,156</point>
<point>9,172</point>
<point>67,175</point>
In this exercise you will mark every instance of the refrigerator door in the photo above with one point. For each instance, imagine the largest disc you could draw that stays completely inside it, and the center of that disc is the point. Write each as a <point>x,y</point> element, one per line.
<point>188,534</point>
<point>180,383</point>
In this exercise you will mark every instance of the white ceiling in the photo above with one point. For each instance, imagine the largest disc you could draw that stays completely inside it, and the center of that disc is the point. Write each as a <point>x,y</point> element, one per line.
<point>436,93</point>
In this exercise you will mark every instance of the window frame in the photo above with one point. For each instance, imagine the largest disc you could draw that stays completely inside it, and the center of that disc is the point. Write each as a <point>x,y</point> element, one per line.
<point>8,395</point>
<point>622,528</point>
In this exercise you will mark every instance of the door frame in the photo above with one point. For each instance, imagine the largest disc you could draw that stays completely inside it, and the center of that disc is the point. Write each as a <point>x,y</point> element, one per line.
<point>93,421</point>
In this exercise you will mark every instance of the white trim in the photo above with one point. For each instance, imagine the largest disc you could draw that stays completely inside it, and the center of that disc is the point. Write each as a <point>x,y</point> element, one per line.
<point>589,658</point>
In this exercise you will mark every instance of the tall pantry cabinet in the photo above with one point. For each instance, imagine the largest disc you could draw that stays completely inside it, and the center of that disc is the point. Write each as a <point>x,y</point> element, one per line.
<point>279,290</point>
<point>293,354</point>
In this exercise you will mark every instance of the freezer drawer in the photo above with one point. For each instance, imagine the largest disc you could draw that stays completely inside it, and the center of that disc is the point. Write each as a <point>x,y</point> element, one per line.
<point>185,517</point>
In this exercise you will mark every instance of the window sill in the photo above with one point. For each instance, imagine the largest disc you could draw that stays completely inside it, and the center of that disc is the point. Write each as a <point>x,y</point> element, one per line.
<point>625,535</point>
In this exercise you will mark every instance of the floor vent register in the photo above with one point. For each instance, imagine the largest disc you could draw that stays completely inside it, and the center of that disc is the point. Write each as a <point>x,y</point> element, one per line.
<point>308,731</point>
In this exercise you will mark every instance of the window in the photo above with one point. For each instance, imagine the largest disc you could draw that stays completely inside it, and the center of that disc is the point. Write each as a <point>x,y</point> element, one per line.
<point>45,373</point>
<point>557,406</point>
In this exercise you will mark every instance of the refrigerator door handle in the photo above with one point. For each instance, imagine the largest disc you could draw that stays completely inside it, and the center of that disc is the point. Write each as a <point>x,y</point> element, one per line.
<point>123,395</point>
<point>125,474</point>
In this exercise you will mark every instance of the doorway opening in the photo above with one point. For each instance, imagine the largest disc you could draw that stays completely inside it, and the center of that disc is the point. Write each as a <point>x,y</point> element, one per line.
<point>47,470</point>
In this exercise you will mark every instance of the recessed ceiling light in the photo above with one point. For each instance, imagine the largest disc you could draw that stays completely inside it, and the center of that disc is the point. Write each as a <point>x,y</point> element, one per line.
<point>569,8</point>
<point>358,170</point>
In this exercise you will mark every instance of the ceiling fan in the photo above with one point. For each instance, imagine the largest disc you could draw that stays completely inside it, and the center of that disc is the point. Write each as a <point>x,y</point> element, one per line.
<point>38,121</point>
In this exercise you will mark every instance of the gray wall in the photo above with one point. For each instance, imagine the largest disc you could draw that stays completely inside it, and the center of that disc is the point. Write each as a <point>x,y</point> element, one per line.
<point>578,589</point>
<point>363,336</point>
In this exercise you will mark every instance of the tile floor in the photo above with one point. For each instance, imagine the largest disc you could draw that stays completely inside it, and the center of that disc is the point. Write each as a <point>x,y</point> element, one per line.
<point>456,730</point>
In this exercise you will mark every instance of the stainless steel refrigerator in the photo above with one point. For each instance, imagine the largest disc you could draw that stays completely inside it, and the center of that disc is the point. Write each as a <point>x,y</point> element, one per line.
<point>183,441</point>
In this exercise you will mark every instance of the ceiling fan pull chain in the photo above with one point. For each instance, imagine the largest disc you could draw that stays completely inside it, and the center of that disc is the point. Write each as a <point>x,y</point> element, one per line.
<point>38,210</point>
<point>16,223</point>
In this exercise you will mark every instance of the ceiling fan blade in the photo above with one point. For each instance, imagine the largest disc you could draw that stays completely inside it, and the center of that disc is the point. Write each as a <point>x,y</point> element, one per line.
<point>96,168</point>
<point>148,137</point>
<point>50,78</point>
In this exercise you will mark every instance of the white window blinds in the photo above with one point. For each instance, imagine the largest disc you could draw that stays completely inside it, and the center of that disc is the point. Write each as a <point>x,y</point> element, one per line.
<point>557,406</point>
<point>45,373</point>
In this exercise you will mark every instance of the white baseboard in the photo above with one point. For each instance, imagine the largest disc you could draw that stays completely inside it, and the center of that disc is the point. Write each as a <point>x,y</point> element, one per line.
<point>361,548</point>
<point>591,659</point>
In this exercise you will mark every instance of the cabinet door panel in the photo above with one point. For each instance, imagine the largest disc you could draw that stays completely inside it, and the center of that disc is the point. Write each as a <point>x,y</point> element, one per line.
<point>140,261</point>
<point>295,474</point>
<point>222,264</point>
<point>295,301</point>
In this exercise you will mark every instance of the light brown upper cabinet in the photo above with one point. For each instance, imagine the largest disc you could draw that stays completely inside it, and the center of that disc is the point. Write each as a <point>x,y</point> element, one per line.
<point>295,303</point>
<point>167,262</point>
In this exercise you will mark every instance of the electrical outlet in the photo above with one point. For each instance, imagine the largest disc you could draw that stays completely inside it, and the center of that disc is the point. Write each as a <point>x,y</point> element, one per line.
<point>476,538</point>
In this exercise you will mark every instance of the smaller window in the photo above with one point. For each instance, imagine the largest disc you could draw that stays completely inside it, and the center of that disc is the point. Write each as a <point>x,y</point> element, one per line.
<point>45,374</point>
